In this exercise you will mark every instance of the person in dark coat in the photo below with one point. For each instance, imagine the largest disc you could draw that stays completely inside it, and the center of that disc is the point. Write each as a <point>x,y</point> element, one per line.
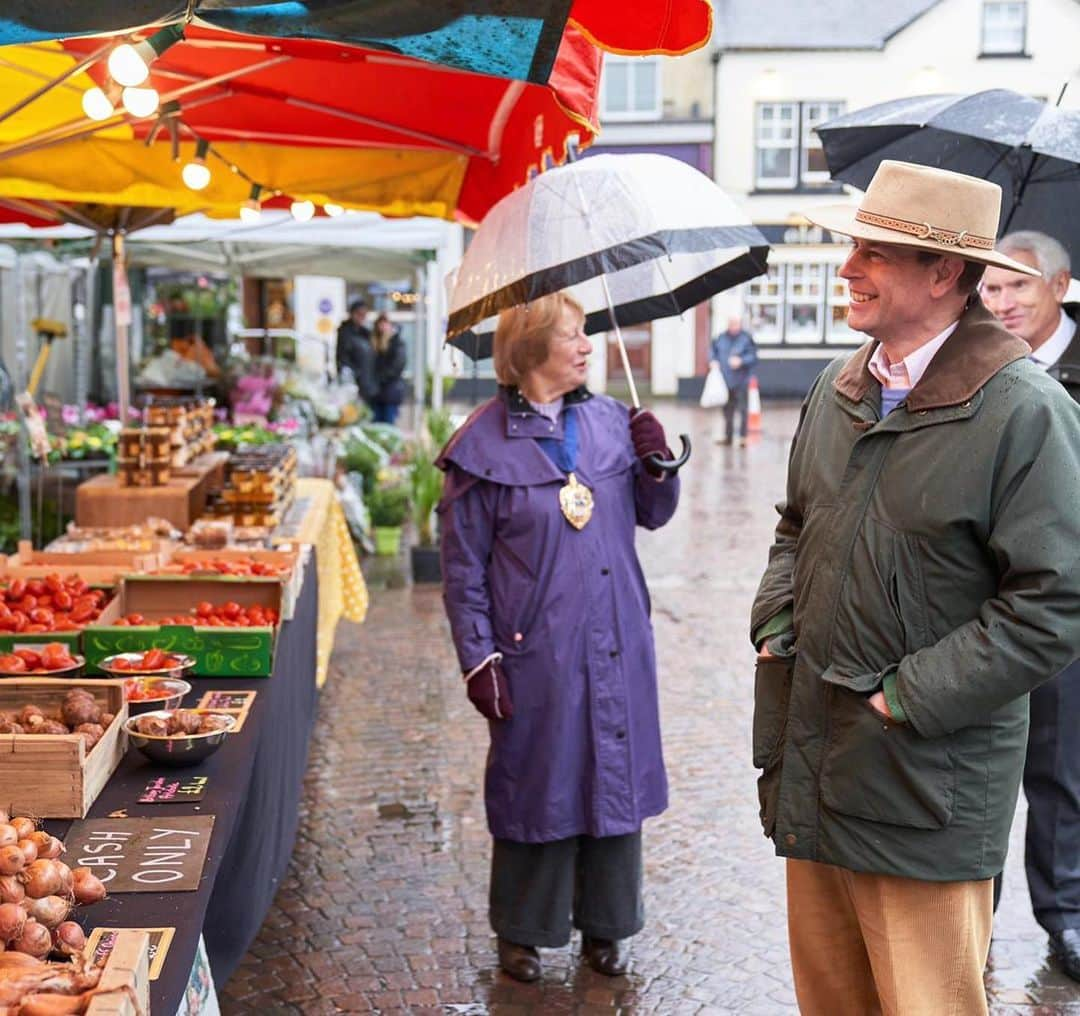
<point>354,350</point>
<point>389,367</point>
<point>734,351</point>
<point>923,580</point>
<point>1034,309</point>
<point>545,486</point>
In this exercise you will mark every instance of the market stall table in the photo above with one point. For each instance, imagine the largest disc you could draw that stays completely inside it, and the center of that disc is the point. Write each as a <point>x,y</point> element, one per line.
<point>253,792</point>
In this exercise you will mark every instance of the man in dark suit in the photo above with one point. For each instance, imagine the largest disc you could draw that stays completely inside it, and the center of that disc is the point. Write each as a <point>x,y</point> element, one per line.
<point>1034,309</point>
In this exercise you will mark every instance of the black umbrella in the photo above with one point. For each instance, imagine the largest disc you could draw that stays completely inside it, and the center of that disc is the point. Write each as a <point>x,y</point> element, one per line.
<point>1030,148</point>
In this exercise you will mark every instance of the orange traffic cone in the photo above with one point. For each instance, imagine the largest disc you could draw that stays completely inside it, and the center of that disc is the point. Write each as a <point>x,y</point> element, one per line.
<point>753,407</point>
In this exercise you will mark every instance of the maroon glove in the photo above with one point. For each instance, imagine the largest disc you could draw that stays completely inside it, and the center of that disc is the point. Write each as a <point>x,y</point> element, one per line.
<point>648,437</point>
<point>488,689</point>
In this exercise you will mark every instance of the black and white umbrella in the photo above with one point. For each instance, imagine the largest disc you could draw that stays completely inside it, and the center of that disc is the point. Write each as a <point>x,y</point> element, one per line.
<point>633,237</point>
<point>1030,148</point>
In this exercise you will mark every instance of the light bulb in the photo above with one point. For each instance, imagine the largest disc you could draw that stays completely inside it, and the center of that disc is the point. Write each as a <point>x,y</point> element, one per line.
<point>127,66</point>
<point>332,210</point>
<point>302,211</point>
<point>196,175</point>
<point>140,101</point>
<point>96,104</point>
<point>250,212</point>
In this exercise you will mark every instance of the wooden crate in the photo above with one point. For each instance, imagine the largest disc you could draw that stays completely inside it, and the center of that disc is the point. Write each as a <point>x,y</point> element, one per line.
<point>101,501</point>
<point>125,981</point>
<point>285,556</point>
<point>51,775</point>
<point>97,567</point>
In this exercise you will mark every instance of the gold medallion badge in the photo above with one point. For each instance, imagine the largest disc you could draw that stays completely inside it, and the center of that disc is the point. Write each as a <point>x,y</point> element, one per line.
<point>576,501</point>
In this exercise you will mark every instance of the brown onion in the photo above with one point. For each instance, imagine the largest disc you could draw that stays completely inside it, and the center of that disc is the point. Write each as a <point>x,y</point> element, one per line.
<point>88,887</point>
<point>69,938</point>
<point>8,835</point>
<point>48,847</point>
<point>67,879</point>
<point>24,826</point>
<point>42,878</point>
<point>34,941</point>
<point>12,922</point>
<point>11,889</point>
<point>49,910</point>
<point>12,860</point>
<point>29,850</point>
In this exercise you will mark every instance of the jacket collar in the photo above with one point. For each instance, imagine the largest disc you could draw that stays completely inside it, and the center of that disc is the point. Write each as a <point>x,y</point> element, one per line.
<point>973,354</point>
<point>1067,369</point>
<point>524,421</point>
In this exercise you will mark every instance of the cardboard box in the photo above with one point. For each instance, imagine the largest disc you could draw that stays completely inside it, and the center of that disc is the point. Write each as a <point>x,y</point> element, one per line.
<point>284,556</point>
<point>218,652</point>
<point>52,775</point>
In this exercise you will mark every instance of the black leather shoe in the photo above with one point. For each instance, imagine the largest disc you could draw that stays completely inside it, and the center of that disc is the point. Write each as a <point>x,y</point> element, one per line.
<point>1065,945</point>
<point>606,956</point>
<point>521,962</point>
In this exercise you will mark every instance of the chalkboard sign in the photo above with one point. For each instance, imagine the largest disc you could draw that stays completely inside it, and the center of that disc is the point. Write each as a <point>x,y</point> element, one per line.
<point>170,790</point>
<point>142,855</point>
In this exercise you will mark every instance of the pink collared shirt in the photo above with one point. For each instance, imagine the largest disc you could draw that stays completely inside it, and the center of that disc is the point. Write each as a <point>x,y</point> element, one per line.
<point>907,372</point>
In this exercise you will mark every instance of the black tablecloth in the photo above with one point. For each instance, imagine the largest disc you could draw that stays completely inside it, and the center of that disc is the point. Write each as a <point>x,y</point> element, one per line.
<point>255,782</point>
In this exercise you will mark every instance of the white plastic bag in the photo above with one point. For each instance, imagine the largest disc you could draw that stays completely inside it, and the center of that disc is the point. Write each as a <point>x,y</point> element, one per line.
<point>715,392</point>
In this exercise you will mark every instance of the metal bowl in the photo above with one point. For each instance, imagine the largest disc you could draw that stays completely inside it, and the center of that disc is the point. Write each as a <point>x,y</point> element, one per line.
<point>183,664</point>
<point>172,692</point>
<point>66,672</point>
<point>182,749</point>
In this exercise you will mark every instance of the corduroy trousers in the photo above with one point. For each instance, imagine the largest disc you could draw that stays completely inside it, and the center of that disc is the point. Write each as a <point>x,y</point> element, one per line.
<point>879,945</point>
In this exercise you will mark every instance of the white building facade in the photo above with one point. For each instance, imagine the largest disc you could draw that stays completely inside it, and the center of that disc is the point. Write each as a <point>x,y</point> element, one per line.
<point>782,67</point>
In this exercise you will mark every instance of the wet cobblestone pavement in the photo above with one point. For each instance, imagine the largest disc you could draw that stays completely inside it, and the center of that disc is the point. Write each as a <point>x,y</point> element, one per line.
<point>384,905</point>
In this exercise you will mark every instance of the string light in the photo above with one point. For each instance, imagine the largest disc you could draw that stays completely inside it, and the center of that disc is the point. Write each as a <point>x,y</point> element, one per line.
<point>196,174</point>
<point>97,104</point>
<point>302,211</point>
<point>129,64</point>
<point>140,102</point>
<point>333,210</point>
<point>251,209</point>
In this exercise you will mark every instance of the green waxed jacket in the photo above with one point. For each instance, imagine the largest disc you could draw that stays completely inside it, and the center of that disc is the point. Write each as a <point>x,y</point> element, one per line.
<point>935,554</point>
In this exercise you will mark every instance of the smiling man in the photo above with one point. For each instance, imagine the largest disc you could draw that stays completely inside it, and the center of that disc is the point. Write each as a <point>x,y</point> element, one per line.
<point>1034,309</point>
<point>924,578</point>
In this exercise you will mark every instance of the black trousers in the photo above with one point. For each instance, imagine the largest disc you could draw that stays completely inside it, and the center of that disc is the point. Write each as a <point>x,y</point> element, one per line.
<point>537,888</point>
<point>736,403</point>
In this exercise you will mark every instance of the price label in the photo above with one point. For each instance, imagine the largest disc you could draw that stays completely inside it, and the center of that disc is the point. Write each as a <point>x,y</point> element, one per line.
<point>101,942</point>
<point>169,790</point>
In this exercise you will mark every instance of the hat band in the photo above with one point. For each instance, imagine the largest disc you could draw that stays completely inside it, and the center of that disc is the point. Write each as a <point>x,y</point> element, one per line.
<point>924,231</point>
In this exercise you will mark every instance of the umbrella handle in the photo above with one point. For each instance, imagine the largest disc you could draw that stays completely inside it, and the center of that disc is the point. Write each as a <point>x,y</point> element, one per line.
<point>672,465</point>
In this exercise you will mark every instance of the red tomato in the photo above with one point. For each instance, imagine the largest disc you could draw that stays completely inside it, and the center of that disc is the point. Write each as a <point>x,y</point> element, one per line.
<point>29,657</point>
<point>35,587</point>
<point>36,629</point>
<point>136,619</point>
<point>82,612</point>
<point>12,664</point>
<point>63,600</point>
<point>27,603</point>
<point>231,610</point>
<point>21,620</point>
<point>121,622</point>
<point>41,615</point>
<point>204,609</point>
<point>54,583</point>
<point>153,660</point>
<point>16,590</point>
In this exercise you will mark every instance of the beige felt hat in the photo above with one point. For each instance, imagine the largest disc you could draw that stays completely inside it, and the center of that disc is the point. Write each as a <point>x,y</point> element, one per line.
<point>932,209</point>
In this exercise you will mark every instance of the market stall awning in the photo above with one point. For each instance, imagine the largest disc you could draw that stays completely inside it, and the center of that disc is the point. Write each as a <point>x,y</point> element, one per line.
<point>304,120</point>
<point>509,38</point>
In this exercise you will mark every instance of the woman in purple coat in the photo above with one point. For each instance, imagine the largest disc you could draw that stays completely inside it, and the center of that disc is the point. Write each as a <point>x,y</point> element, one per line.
<point>550,618</point>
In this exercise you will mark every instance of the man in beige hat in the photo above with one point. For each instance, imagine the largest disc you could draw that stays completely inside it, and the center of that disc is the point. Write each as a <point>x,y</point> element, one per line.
<point>925,576</point>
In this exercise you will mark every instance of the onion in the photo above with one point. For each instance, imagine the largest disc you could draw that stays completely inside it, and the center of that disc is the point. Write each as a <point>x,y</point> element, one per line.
<point>42,878</point>
<point>12,860</point>
<point>24,827</point>
<point>49,910</point>
<point>8,835</point>
<point>29,850</point>
<point>67,881</point>
<point>12,922</point>
<point>34,941</point>
<point>69,938</point>
<point>11,890</point>
<point>88,887</point>
<point>48,847</point>
<point>41,1003</point>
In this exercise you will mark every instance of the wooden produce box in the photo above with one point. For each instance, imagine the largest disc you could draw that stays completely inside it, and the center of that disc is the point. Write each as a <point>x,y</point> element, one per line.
<point>51,775</point>
<point>285,556</point>
<point>218,652</point>
<point>102,501</point>
<point>96,567</point>
<point>124,989</point>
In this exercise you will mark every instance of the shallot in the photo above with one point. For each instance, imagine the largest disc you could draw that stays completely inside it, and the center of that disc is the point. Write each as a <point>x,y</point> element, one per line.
<point>67,880</point>
<point>50,910</point>
<point>34,941</point>
<point>25,827</point>
<point>48,847</point>
<point>69,939</point>
<point>12,860</point>
<point>8,835</point>
<point>88,887</point>
<point>12,922</point>
<point>11,889</point>
<point>42,878</point>
<point>29,850</point>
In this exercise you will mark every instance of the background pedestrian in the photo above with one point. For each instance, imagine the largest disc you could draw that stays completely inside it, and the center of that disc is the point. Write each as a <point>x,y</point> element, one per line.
<point>354,351</point>
<point>389,367</point>
<point>736,354</point>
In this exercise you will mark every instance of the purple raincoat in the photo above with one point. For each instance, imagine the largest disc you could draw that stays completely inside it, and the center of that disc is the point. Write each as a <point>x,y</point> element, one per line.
<point>568,610</point>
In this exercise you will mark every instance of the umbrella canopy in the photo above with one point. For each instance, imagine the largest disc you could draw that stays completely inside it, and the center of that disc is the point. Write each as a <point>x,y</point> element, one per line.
<point>404,137</point>
<point>510,38</point>
<point>644,235</point>
<point>1030,148</point>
